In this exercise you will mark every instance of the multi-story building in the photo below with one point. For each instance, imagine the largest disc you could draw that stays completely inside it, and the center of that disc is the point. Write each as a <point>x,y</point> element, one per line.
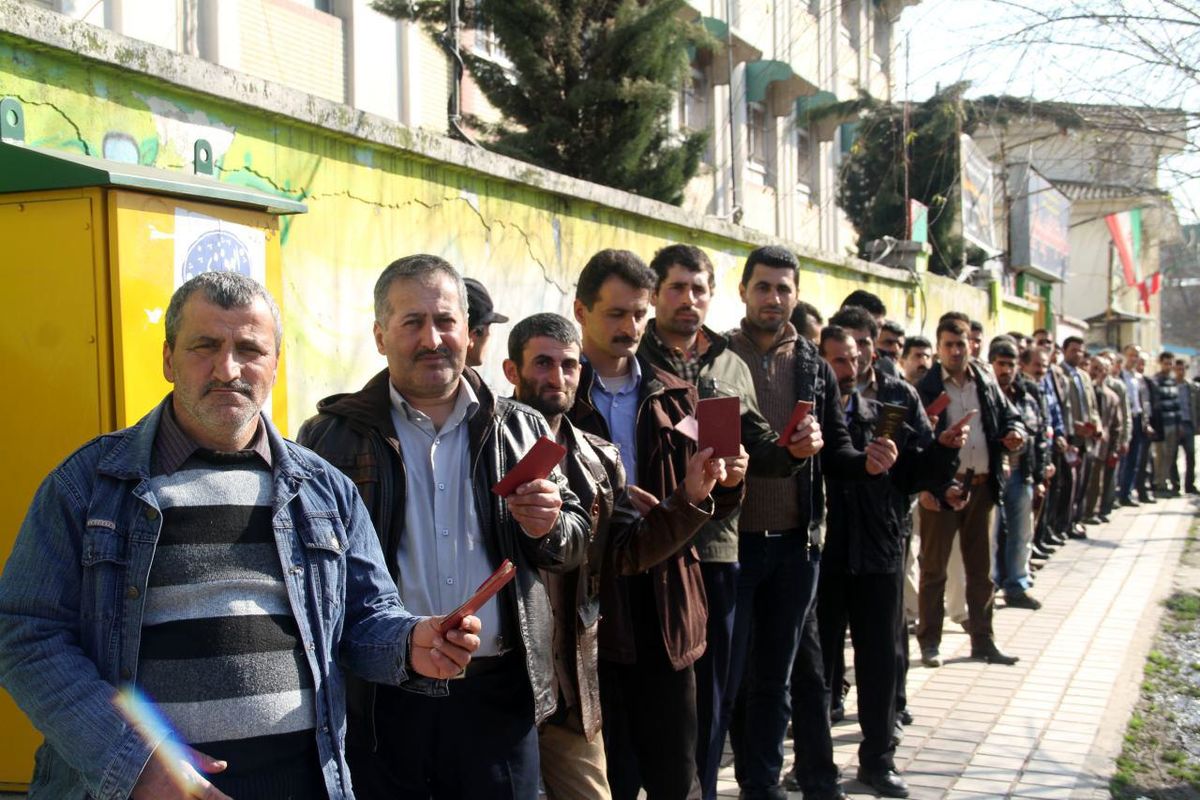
<point>1111,165</point>
<point>765,167</point>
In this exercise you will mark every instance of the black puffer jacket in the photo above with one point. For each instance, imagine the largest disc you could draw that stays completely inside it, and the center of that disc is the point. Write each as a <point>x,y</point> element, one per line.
<point>355,433</point>
<point>1166,410</point>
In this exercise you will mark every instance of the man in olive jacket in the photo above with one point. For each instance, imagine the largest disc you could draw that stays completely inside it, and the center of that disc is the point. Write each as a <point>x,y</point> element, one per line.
<point>424,441</point>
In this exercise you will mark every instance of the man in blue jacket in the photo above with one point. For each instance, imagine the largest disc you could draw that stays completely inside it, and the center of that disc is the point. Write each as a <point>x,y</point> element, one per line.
<point>225,573</point>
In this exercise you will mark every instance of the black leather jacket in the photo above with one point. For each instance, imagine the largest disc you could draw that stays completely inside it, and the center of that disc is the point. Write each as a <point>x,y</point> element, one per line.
<point>996,414</point>
<point>866,523</point>
<point>355,433</point>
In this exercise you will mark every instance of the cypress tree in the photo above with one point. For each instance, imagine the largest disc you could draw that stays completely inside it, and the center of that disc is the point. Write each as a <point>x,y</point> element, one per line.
<point>590,86</point>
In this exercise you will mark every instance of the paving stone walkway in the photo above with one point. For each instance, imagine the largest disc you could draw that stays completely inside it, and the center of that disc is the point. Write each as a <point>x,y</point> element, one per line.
<point>1052,725</point>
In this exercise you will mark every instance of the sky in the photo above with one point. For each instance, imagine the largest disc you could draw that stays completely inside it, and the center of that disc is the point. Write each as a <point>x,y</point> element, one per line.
<point>992,44</point>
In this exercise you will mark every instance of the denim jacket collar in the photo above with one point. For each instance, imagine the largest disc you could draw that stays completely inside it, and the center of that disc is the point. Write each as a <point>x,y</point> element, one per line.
<point>131,457</point>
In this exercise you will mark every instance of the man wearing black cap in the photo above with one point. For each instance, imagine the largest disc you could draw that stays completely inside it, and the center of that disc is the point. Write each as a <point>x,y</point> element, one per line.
<point>480,316</point>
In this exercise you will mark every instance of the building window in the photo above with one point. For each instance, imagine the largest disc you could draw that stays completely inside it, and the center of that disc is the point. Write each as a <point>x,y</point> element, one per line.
<point>852,21</point>
<point>804,162</point>
<point>759,142</point>
<point>882,39</point>
<point>486,45</point>
<point>694,108</point>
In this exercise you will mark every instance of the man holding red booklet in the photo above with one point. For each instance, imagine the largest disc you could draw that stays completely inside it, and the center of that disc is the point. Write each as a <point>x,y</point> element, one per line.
<point>677,341</point>
<point>425,441</point>
<point>655,621</point>
<point>632,532</point>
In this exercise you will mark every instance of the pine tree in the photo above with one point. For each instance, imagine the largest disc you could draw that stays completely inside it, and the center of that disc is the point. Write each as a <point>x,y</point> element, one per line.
<point>590,87</point>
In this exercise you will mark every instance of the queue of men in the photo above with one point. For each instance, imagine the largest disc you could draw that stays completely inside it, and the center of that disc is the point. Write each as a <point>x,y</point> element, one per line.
<point>278,604</point>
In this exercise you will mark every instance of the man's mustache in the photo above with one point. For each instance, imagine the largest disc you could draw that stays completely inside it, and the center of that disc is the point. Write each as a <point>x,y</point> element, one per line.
<point>443,352</point>
<point>236,385</point>
<point>623,340</point>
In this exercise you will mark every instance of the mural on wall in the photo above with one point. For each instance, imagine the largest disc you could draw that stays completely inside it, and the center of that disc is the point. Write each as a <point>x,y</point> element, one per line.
<point>369,205</point>
<point>208,244</point>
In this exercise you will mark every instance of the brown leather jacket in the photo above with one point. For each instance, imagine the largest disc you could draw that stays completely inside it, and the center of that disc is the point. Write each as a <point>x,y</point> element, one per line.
<point>663,453</point>
<point>623,543</point>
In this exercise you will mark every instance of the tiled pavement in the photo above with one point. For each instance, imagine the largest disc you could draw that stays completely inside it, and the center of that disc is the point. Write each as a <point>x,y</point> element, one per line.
<point>1050,726</point>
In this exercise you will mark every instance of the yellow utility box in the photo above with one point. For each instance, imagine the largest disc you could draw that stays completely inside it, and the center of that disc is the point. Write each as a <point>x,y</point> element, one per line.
<point>93,250</point>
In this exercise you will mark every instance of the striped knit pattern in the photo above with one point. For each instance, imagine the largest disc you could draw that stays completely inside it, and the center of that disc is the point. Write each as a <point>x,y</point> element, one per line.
<point>221,654</point>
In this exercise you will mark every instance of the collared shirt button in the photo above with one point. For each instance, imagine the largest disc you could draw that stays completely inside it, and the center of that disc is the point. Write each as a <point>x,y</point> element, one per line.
<point>132,592</point>
<point>445,531</point>
<point>441,487</point>
<point>324,729</point>
<point>450,581</point>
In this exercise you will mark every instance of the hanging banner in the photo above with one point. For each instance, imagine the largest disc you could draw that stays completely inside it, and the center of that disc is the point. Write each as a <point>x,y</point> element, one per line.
<point>1041,225</point>
<point>978,196</point>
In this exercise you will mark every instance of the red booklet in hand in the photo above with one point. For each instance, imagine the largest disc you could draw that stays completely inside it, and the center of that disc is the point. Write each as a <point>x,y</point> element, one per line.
<point>720,423</point>
<point>486,591</point>
<point>537,464</point>
<point>938,405</point>
<point>803,409</point>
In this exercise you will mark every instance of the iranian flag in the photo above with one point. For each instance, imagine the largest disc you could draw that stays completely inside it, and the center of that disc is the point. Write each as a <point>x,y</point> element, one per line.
<point>1126,231</point>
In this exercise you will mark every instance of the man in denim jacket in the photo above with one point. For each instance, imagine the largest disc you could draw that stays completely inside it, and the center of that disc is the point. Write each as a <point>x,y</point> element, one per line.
<point>224,572</point>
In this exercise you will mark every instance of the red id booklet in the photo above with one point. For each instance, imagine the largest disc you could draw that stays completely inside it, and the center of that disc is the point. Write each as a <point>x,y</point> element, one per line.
<point>803,409</point>
<point>938,405</point>
<point>486,591</point>
<point>720,422</point>
<point>537,464</point>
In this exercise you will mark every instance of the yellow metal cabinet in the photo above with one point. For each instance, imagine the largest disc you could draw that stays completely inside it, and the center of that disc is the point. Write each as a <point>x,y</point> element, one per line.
<point>88,270</point>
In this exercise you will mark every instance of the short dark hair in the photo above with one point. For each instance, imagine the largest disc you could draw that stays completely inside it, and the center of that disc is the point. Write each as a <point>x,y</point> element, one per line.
<point>550,325</point>
<point>1165,355</point>
<point>688,256</point>
<point>607,264</point>
<point>913,342</point>
<point>226,289</point>
<point>772,256</point>
<point>976,326</point>
<point>415,267</point>
<point>864,299</point>
<point>855,317</point>
<point>955,315</point>
<point>1040,331</point>
<point>953,325</point>
<point>834,333</point>
<point>1029,352</point>
<point>891,326</point>
<point>1070,340</point>
<point>802,313</point>
<point>1002,347</point>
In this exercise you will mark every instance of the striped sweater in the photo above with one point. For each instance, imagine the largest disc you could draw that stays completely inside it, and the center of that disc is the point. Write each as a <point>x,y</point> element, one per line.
<point>220,650</point>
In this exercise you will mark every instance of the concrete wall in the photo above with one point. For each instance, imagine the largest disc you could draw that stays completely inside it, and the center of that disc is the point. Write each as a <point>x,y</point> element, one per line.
<point>376,191</point>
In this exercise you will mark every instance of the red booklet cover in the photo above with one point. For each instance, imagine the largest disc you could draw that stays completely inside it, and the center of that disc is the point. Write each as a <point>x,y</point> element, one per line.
<point>803,409</point>
<point>536,464</point>
<point>720,423</point>
<point>486,591</point>
<point>938,405</point>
